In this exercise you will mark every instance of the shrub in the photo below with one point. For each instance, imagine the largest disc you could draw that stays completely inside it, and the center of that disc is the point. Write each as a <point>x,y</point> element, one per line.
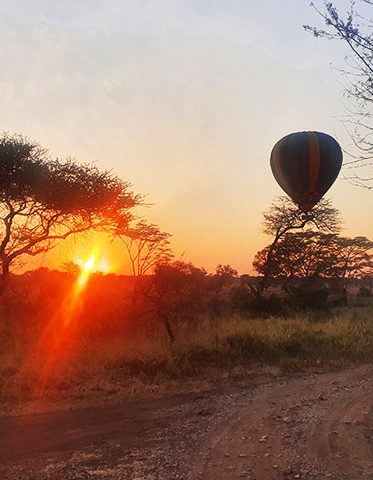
<point>246,302</point>
<point>313,298</point>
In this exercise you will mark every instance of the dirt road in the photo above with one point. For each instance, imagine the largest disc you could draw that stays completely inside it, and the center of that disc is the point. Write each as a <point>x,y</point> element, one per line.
<point>315,426</point>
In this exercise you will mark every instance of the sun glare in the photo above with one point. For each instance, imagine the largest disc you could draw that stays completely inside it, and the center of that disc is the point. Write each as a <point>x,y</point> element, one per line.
<point>89,264</point>
<point>96,262</point>
<point>87,269</point>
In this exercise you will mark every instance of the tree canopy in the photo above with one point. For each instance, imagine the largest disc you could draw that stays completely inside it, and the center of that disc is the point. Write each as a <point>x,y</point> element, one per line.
<point>146,245</point>
<point>284,216</point>
<point>317,254</point>
<point>177,291</point>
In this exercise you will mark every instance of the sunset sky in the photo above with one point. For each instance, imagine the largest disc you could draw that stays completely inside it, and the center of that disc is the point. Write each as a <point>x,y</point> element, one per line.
<point>184,99</point>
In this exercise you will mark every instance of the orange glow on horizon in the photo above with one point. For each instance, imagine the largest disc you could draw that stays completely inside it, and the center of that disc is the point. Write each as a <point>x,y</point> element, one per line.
<point>97,260</point>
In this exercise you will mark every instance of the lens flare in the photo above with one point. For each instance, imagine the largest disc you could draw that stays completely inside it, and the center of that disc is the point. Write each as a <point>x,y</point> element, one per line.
<point>86,270</point>
<point>59,333</point>
<point>89,264</point>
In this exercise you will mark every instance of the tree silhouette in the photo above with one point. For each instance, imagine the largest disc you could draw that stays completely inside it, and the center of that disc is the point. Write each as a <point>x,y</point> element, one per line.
<point>71,268</point>
<point>176,291</point>
<point>224,274</point>
<point>317,254</point>
<point>311,254</point>
<point>146,244</point>
<point>43,200</point>
<point>355,31</point>
<point>284,216</point>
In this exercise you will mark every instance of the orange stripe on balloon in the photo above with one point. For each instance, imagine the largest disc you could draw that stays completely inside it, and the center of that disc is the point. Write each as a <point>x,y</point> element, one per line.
<point>314,161</point>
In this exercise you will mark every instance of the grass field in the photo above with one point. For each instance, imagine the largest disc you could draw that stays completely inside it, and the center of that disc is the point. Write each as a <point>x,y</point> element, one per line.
<point>208,348</point>
<point>344,336</point>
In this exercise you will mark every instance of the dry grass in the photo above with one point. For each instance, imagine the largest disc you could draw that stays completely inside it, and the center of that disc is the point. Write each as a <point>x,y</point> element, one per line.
<point>223,344</point>
<point>345,336</point>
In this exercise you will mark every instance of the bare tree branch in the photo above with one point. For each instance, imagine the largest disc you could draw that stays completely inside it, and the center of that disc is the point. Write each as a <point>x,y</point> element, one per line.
<point>355,30</point>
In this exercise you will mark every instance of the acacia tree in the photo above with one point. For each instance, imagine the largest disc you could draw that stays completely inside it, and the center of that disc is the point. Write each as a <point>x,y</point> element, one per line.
<point>301,254</point>
<point>317,254</point>
<point>146,245</point>
<point>284,216</point>
<point>224,274</point>
<point>313,254</point>
<point>355,30</point>
<point>355,259</point>
<point>44,200</point>
<point>176,290</point>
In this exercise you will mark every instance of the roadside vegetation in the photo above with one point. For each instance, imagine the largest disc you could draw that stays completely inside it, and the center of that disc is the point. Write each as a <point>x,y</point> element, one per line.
<point>111,344</point>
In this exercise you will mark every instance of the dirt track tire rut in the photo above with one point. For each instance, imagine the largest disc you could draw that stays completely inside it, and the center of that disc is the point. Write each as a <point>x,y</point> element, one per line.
<point>313,428</point>
<point>305,427</point>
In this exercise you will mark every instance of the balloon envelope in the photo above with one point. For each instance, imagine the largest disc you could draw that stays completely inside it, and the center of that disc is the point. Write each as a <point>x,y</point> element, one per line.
<point>305,165</point>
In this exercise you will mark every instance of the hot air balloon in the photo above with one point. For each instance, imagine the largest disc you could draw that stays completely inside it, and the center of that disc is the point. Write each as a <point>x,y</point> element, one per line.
<point>305,165</point>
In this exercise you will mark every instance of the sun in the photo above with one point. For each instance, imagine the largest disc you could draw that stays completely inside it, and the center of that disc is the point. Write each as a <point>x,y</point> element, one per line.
<point>89,264</point>
<point>87,269</point>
